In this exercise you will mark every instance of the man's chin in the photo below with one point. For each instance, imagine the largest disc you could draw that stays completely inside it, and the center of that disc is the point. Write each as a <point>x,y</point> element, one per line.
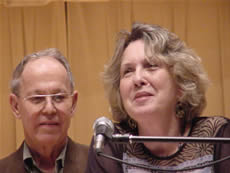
<point>48,138</point>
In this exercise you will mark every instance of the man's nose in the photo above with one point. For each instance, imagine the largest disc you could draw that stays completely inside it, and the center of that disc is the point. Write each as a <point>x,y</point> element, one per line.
<point>49,106</point>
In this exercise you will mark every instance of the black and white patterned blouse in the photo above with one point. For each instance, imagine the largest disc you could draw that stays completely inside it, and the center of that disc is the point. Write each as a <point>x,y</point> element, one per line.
<point>188,155</point>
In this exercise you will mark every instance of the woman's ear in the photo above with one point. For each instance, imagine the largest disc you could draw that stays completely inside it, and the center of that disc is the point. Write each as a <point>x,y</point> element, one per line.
<point>180,94</point>
<point>14,105</point>
<point>74,101</point>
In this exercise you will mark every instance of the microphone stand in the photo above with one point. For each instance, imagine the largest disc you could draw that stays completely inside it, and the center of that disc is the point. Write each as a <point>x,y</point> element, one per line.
<point>126,138</point>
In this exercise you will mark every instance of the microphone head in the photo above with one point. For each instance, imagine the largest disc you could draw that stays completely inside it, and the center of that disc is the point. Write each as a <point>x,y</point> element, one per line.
<point>103,126</point>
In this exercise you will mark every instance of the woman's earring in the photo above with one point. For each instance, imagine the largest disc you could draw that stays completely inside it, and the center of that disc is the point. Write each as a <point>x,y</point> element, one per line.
<point>180,112</point>
<point>132,123</point>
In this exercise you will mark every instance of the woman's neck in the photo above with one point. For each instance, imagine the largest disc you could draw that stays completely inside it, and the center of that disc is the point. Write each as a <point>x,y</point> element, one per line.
<point>161,127</point>
<point>153,125</point>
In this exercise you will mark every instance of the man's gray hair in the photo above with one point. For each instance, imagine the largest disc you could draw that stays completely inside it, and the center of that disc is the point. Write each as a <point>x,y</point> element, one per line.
<point>51,52</point>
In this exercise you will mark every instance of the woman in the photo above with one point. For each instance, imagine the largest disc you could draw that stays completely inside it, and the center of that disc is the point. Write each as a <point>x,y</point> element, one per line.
<point>156,87</point>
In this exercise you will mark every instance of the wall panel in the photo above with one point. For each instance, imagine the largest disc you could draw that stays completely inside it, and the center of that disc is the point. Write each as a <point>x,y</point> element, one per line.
<point>86,32</point>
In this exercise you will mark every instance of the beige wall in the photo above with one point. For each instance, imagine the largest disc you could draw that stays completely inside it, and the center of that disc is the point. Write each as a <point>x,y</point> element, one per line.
<point>85,32</point>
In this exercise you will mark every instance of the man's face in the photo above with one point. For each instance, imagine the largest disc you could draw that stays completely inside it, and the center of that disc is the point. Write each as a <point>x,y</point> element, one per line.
<point>45,119</point>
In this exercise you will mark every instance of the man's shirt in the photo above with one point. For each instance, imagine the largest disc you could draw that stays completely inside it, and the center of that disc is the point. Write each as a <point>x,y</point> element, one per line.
<point>31,166</point>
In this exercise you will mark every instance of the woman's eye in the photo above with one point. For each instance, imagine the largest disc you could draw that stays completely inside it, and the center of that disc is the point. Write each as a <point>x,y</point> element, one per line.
<point>127,71</point>
<point>152,66</point>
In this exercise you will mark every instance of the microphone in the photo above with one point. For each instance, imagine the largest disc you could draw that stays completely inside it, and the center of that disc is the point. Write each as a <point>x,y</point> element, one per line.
<point>103,128</point>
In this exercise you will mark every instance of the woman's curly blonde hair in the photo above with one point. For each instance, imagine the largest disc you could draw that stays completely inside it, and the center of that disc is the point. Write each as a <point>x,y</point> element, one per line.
<point>164,47</point>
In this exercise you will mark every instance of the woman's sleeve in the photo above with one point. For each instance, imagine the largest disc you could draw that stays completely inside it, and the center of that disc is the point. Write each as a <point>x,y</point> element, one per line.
<point>222,150</point>
<point>99,164</point>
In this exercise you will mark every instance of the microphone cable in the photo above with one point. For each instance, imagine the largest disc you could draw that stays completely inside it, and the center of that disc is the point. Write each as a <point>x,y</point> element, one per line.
<point>189,168</point>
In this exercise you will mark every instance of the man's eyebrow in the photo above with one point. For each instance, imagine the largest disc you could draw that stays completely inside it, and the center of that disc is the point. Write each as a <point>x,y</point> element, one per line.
<point>42,92</point>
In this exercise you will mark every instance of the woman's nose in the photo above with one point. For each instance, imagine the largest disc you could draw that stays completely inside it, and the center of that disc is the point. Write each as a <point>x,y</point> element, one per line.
<point>139,78</point>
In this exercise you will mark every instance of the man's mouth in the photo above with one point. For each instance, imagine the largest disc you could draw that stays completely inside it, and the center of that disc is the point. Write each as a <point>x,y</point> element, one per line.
<point>49,124</point>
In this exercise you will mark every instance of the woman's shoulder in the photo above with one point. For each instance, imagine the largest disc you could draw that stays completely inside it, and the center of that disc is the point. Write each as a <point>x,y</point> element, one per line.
<point>212,120</point>
<point>208,126</point>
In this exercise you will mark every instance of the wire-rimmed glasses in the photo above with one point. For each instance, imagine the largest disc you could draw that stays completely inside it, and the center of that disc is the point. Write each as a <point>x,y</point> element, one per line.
<point>57,100</point>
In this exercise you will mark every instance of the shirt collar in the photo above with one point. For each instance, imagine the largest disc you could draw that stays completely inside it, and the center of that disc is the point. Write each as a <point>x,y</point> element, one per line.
<point>30,164</point>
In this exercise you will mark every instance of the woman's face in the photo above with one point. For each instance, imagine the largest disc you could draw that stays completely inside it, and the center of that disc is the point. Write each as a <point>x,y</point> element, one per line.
<point>146,89</point>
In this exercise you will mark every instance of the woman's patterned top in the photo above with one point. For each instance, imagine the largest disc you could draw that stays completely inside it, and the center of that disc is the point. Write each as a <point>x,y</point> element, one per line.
<point>188,155</point>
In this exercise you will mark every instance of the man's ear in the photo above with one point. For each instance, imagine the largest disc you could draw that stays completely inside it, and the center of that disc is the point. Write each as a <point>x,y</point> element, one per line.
<point>74,101</point>
<point>14,105</point>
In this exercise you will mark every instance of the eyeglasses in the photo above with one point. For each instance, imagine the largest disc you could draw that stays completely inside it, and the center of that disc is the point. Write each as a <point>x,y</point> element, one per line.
<point>56,99</point>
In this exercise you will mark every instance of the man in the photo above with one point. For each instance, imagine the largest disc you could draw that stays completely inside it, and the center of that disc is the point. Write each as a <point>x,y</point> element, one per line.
<point>43,98</point>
